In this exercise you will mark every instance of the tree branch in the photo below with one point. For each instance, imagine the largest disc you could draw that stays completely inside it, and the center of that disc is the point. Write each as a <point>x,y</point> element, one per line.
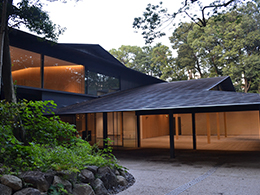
<point>203,21</point>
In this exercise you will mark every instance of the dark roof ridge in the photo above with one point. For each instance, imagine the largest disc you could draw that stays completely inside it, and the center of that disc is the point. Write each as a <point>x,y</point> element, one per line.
<point>224,78</point>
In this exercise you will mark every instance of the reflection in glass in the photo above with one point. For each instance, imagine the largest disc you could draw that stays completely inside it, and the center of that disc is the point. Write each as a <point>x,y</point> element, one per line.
<point>63,76</point>
<point>26,69</point>
<point>115,128</point>
<point>58,74</point>
<point>99,84</point>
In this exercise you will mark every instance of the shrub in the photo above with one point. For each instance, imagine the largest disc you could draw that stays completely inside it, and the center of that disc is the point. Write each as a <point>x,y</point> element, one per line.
<point>53,144</point>
<point>38,127</point>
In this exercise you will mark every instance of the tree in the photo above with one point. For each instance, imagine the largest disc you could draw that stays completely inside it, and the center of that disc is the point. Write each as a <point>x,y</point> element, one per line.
<point>187,58</point>
<point>229,46</point>
<point>156,61</point>
<point>133,57</point>
<point>30,14</point>
<point>156,17</point>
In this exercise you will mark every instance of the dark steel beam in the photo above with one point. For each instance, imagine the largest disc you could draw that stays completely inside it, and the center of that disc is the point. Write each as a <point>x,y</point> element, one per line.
<point>194,131</point>
<point>138,131</point>
<point>231,108</point>
<point>104,129</point>
<point>171,130</point>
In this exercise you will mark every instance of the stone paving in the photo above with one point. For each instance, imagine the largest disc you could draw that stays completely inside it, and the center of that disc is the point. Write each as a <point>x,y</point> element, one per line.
<point>191,172</point>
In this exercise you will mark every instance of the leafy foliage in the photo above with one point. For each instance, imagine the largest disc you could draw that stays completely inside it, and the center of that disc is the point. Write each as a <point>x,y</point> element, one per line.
<point>53,144</point>
<point>229,46</point>
<point>156,61</point>
<point>156,18</point>
<point>30,14</point>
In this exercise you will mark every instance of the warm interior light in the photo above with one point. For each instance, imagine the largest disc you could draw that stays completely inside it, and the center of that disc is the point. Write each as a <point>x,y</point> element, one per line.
<point>63,78</point>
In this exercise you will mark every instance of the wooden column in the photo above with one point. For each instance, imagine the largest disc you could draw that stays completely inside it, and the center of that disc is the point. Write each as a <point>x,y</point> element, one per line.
<point>176,126</point>
<point>208,128</point>
<point>194,131</point>
<point>225,124</point>
<point>171,129</point>
<point>104,129</point>
<point>218,126</point>
<point>138,131</point>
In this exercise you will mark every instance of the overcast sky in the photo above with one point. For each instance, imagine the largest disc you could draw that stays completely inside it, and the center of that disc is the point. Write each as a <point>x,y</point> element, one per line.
<point>104,22</point>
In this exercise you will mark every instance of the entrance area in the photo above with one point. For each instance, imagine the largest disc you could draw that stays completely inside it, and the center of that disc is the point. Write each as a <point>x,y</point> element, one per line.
<point>233,131</point>
<point>230,131</point>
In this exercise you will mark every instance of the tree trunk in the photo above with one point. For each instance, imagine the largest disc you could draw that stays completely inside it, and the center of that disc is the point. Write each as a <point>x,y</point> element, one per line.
<point>7,72</point>
<point>2,35</point>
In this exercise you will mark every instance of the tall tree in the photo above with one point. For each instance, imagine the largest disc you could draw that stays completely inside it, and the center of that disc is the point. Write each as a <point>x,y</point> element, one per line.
<point>31,15</point>
<point>187,59</point>
<point>156,61</point>
<point>156,17</point>
<point>229,46</point>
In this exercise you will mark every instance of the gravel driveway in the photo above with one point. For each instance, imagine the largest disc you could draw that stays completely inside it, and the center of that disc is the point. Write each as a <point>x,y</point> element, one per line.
<point>191,172</point>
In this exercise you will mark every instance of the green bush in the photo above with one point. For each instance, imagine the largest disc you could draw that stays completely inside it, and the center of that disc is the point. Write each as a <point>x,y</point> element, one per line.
<point>52,144</point>
<point>38,127</point>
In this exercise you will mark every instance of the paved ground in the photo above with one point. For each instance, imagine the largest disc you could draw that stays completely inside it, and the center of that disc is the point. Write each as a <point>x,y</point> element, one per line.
<point>191,172</point>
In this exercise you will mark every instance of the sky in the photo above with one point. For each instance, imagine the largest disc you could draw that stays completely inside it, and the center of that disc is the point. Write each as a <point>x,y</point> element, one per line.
<point>104,22</point>
<point>108,23</point>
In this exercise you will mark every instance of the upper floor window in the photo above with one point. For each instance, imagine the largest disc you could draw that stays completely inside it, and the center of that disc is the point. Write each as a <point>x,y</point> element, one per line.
<point>99,84</point>
<point>63,76</point>
<point>60,75</point>
<point>26,67</point>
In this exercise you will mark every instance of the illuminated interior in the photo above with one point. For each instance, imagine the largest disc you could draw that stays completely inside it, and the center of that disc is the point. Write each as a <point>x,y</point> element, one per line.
<point>65,78</point>
<point>58,74</point>
<point>26,67</point>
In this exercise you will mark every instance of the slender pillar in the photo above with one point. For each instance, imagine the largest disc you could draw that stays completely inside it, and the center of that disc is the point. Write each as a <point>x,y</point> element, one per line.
<point>225,124</point>
<point>194,131</point>
<point>171,129</point>
<point>177,126</point>
<point>122,126</point>
<point>208,128</point>
<point>138,131</point>
<point>218,126</point>
<point>104,129</point>
<point>42,71</point>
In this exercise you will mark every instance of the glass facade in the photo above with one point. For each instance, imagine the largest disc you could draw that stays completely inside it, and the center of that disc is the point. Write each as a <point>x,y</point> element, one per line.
<point>99,128</point>
<point>115,128</point>
<point>63,76</point>
<point>99,84</point>
<point>26,67</point>
<point>121,129</point>
<point>35,70</point>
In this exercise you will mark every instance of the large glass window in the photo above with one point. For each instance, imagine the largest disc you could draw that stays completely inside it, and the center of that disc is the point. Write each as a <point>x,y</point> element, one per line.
<point>58,74</point>
<point>26,67</point>
<point>63,76</point>
<point>99,84</point>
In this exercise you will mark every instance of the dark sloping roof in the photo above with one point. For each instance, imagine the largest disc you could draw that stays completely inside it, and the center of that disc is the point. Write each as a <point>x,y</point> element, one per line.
<point>175,95</point>
<point>94,57</point>
<point>95,50</point>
